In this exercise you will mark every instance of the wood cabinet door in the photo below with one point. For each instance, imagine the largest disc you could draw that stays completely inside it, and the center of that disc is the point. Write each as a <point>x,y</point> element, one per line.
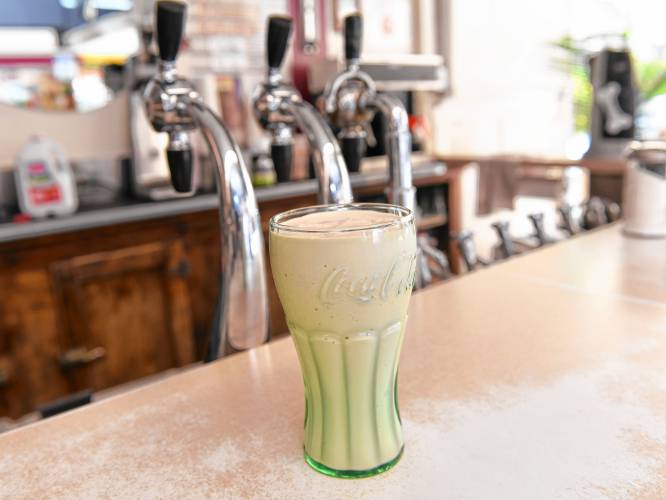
<point>124,314</point>
<point>29,344</point>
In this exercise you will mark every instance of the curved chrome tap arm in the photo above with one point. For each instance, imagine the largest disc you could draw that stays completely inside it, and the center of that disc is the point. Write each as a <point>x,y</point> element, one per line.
<point>398,144</point>
<point>332,175</point>
<point>351,73</point>
<point>173,106</point>
<point>243,300</point>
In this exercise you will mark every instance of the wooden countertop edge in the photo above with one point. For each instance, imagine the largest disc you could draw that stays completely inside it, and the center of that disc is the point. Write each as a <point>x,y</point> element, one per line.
<point>425,172</point>
<point>600,165</point>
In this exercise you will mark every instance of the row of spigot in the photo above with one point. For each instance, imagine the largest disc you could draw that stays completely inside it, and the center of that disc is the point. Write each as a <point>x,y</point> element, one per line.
<point>596,212</point>
<point>174,107</point>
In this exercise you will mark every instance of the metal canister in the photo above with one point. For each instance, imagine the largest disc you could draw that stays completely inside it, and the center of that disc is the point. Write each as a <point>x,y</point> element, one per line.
<point>644,200</point>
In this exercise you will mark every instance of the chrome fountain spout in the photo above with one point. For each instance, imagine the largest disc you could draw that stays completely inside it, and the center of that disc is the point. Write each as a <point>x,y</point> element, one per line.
<point>350,101</point>
<point>279,108</point>
<point>173,106</point>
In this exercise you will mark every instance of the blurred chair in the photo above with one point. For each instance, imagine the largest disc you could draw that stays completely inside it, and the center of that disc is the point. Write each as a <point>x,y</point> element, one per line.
<point>595,213</point>
<point>539,230</point>
<point>506,247</point>
<point>465,240</point>
<point>613,210</point>
<point>569,224</point>
<point>435,262</point>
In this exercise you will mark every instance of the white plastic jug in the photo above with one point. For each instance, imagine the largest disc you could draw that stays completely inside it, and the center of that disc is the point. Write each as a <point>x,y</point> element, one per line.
<point>45,183</point>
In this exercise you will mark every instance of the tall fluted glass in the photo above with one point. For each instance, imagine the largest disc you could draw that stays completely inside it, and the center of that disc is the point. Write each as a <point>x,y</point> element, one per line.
<point>344,275</point>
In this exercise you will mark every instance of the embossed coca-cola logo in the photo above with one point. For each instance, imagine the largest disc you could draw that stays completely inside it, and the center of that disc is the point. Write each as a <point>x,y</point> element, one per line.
<point>342,284</point>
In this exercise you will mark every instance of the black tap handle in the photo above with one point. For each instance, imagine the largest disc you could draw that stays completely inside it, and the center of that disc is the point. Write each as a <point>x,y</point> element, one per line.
<point>281,154</point>
<point>353,36</point>
<point>279,29</point>
<point>353,151</point>
<point>169,25</point>
<point>180,167</point>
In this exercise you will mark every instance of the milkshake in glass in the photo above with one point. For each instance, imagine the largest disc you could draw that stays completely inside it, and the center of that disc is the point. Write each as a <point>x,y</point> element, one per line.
<point>344,275</point>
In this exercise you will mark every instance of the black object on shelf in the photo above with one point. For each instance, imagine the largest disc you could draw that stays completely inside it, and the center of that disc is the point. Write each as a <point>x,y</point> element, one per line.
<point>617,79</point>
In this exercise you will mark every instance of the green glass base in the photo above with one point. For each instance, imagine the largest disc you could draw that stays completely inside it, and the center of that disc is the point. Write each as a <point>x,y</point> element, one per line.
<point>352,474</point>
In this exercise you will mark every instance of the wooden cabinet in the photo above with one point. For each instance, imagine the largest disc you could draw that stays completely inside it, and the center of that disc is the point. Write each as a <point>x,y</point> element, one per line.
<point>123,314</point>
<point>28,342</point>
<point>93,321</point>
<point>98,307</point>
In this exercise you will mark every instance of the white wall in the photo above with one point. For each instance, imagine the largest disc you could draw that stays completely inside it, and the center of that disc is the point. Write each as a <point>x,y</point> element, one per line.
<point>506,95</point>
<point>102,133</point>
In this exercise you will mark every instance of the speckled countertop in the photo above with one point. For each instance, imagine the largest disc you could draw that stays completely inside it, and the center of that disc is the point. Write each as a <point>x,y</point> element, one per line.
<point>544,377</point>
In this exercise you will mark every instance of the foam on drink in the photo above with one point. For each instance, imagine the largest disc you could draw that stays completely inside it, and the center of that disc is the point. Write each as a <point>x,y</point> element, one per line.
<point>341,220</point>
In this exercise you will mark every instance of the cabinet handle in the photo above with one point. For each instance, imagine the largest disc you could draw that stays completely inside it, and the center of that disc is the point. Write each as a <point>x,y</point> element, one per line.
<point>79,356</point>
<point>182,269</point>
